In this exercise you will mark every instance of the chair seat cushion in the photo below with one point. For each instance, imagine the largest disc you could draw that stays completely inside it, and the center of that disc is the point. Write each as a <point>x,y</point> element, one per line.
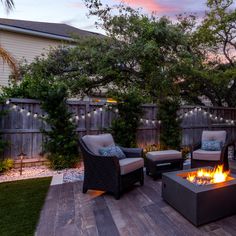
<point>112,151</point>
<point>206,155</point>
<point>128,165</point>
<point>164,155</point>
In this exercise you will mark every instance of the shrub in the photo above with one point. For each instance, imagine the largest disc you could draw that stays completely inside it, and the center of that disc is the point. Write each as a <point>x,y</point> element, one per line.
<point>60,142</point>
<point>124,128</point>
<point>6,164</point>
<point>170,136</point>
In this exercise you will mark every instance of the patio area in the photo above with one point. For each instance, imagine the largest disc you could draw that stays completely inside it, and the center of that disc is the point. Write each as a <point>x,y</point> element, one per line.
<point>142,211</point>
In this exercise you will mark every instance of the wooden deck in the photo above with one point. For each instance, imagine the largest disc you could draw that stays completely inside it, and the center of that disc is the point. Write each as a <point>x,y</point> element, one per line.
<point>140,211</point>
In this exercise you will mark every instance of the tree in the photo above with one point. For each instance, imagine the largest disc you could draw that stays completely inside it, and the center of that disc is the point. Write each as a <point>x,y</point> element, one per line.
<point>141,51</point>
<point>215,76</point>
<point>4,54</point>
<point>9,4</point>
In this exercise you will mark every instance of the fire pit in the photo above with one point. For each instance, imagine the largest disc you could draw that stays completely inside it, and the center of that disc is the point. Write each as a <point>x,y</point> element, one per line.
<point>201,195</point>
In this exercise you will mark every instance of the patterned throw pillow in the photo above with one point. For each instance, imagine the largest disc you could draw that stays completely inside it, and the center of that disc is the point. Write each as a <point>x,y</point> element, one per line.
<point>209,145</point>
<point>112,151</point>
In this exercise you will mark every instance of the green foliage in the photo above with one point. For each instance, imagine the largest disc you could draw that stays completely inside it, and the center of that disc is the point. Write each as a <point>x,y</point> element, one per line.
<point>20,204</point>
<point>6,165</point>
<point>124,128</point>
<point>215,76</point>
<point>170,136</point>
<point>60,142</point>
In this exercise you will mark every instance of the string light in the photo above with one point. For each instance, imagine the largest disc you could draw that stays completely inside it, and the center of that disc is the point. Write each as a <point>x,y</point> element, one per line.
<point>147,121</point>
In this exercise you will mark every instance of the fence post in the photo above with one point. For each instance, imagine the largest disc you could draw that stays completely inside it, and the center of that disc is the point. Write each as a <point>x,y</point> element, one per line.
<point>87,119</point>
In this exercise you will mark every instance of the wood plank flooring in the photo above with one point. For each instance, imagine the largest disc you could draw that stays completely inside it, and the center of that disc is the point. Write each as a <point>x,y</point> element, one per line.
<point>140,211</point>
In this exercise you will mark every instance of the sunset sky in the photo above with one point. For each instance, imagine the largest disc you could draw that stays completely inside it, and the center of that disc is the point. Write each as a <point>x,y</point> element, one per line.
<point>74,12</point>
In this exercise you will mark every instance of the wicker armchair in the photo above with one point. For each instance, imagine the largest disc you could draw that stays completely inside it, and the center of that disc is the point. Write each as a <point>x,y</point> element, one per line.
<point>200,158</point>
<point>109,173</point>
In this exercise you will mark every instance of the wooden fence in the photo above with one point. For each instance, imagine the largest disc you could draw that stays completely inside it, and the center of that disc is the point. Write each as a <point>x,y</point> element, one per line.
<point>24,132</point>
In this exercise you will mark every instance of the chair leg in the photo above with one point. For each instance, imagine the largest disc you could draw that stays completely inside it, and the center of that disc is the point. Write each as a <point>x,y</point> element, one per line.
<point>142,182</point>
<point>84,190</point>
<point>117,195</point>
<point>142,178</point>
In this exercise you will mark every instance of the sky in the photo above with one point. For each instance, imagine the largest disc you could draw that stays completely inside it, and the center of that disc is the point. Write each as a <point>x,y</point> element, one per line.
<point>74,12</point>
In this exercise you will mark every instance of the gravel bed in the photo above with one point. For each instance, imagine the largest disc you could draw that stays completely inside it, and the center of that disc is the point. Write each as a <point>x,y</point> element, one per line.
<point>69,175</point>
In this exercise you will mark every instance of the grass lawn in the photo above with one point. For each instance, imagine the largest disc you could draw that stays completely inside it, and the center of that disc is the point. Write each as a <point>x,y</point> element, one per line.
<point>20,205</point>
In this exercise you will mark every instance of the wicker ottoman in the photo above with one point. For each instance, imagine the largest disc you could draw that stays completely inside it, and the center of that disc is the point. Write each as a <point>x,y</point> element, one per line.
<point>163,161</point>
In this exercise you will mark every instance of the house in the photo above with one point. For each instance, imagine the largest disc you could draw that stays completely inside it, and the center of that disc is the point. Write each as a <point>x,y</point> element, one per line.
<point>25,40</point>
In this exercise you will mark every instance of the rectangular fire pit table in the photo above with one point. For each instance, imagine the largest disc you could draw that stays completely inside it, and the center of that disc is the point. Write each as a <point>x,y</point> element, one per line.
<point>200,204</point>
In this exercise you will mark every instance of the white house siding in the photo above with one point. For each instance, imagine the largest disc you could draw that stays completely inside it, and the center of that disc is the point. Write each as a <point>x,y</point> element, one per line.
<point>22,46</point>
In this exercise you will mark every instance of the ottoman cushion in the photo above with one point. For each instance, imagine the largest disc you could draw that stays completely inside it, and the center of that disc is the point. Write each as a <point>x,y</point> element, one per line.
<point>164,155</point>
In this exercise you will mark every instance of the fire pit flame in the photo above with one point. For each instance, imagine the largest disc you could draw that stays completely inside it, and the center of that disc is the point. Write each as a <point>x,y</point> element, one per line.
<point>206,176</point>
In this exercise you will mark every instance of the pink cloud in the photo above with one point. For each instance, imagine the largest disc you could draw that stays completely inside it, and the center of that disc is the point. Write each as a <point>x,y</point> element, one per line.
<point>150,5</point>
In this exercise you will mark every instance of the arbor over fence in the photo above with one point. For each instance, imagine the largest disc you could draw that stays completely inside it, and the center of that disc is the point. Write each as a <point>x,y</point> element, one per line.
<point>24,132</point>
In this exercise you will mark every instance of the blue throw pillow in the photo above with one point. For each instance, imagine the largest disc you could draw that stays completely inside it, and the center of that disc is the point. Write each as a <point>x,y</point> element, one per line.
<point>209,145</point>
<point>112,151</point>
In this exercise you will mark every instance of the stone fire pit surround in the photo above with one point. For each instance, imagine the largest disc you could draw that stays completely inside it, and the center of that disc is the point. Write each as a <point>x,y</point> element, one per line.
<point>199,204</point>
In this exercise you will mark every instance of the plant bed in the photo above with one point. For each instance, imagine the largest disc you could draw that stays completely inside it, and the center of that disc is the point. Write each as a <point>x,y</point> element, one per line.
<point>20,204</point>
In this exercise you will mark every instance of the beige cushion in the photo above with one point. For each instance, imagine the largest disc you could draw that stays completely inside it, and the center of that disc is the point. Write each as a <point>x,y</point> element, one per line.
<point>206,155</point>
<point>128,165</point>
<point>95,142</point>
<point>214,135</point>
<point>164,155</point>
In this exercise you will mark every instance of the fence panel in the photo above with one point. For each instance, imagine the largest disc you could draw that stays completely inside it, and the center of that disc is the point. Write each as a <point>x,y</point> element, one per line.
<point>24,132</point>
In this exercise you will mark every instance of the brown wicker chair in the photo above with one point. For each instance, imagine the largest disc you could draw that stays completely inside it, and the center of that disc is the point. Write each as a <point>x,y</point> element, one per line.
<point>109,173</point>
<point>200,158</point>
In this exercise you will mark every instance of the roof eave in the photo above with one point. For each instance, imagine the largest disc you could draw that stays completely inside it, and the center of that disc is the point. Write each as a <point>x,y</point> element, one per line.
<point>35,33</point>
